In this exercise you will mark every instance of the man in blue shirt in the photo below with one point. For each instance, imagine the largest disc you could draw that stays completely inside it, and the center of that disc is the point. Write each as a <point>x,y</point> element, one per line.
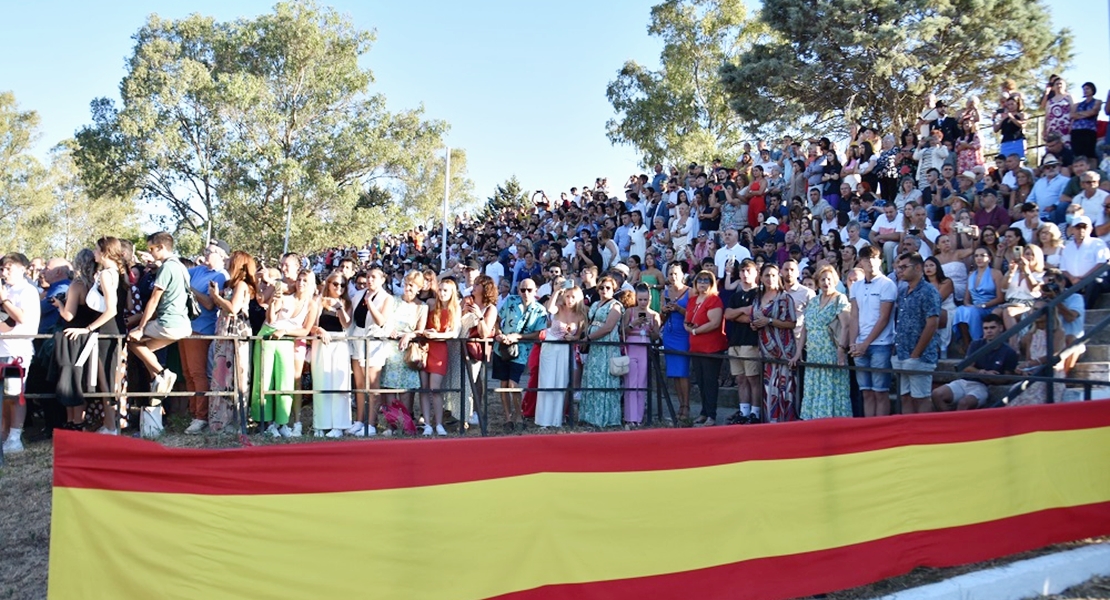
<point>915,328</point>
<point>623,237</point>
<point>965,394</point>
<point>194,352</point>
<point>55,278</point>
<point>1046,191</point>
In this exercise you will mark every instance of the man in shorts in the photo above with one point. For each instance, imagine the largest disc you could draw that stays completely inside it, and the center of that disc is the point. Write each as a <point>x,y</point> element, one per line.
<point>743,346</point>
<point>965,394</point>
<point>519,322</point>
<point>915,340</point>
<point>165,318</point>
<point>871,331</point>
<point>19,303</point>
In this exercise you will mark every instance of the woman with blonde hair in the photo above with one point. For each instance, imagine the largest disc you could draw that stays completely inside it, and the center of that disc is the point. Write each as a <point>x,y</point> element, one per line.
<point>287,319</point>
<point>409,316</point>
<point>1023,286</point>
<point>642,326</point>
<point>704,323</point>
<point>566,322</point>
<point>825,340</point>
<point>1051,243</point>
<point>371,313</point>
<point>231,358</point>
<point>331,360</point>
<point>442,324</point>
<point>305,294</point>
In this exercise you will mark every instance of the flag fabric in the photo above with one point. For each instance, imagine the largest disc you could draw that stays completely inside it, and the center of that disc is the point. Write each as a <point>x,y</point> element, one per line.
<point>773,511</point>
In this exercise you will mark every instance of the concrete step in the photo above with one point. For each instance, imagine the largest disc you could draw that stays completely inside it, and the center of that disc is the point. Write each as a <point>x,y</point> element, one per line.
<point>1096,353</point>
<point>1096,371</point>
<point>1094,315</point>
<point>1103,301</point>
<point>1099,337</point>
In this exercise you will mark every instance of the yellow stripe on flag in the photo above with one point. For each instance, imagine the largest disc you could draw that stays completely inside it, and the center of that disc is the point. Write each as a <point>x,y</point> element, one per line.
<point>485,538</point>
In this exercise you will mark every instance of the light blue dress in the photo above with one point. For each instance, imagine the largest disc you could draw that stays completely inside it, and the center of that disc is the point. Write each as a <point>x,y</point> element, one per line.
<point>982,291</point>
<point>675,337</point>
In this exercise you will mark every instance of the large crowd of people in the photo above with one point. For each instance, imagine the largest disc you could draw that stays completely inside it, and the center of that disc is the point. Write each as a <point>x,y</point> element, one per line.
<point>893,252</point>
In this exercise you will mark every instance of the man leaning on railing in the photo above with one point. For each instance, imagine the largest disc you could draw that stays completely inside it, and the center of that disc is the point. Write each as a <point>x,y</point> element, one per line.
<point>966,394</point>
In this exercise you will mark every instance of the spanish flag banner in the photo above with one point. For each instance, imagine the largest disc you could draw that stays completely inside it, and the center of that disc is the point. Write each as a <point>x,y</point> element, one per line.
<point>772,511</point>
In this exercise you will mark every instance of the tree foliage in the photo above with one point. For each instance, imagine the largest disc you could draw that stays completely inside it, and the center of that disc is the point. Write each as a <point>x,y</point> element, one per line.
<point>680,112</point>
<point>44,210</point>
<point>233,126</point>
<point>507,195</point>
<point>873,61</point>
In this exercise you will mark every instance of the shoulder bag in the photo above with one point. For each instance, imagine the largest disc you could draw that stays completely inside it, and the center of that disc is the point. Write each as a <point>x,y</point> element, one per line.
<point>619,364</point>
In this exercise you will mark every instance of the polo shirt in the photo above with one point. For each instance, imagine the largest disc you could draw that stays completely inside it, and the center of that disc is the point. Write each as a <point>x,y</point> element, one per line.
<point>1003,359</point>
<point>737,252</point>
<point>1046,193</point>
<point>869,297</point>
<point>173,280</point>
<point>199,276</point>
<point>1078,260</point>
<point>914,309</point>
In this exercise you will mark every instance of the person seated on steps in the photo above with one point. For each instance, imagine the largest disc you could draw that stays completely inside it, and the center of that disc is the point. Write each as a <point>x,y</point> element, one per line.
<point>966,394</point>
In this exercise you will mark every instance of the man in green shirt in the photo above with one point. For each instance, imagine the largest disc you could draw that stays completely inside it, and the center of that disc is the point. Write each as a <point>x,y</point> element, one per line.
<point>165,318</point>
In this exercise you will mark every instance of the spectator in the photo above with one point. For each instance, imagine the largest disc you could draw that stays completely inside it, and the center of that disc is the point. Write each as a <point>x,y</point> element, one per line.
<point>409,317</point>
<point>934,274</point>
<point>1084,119</point>
<point>286,320</point>
<point>20,302</point>
<point>1083,256</point>
<point>1057,103</point>
<point>1034,357</point>
<point>194,351</point>
<point>164,320</point>
<point>1010,122</point>
<point>825,340</point>
<point>743,341</point>
<point>231,358</point>
<point>479,320</point>
<point>1047,190</point>
<point>1029,223</point>
<point>331,360</point>
<point>705,325</point>
<point>442,324</point>
<point>966,394</point>
<point>566,322</point>
<point>675,338</point>
<point>1023,286</point>
<point>601,400</point>
<point>520,321</point>
<point>871,332</point>
<point>641,327</point>
<point>886,233</point>
<point>55,279</point>
<point>915,341</point>
<point>76,315</point>
<point>985,290</point>
<point>969,150</point>
<point>1051,243</point>
<point>774,318</point>
<point>371,315</point>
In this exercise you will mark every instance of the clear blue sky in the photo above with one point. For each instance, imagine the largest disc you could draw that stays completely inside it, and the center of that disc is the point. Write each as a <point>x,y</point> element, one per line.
<point>522,84</point>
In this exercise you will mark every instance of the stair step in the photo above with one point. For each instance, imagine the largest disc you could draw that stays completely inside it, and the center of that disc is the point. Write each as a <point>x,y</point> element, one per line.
<point>1095,353</point>
<point>1100,337</point>
<point>1094,315</point>
<point>1096,371</point>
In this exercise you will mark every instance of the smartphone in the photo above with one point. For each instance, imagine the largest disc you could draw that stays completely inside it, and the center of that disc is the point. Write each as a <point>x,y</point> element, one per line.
<point>1017,251</point>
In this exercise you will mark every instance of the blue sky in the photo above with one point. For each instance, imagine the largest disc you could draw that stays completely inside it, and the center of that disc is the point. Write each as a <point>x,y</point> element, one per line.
<point>522,84</point>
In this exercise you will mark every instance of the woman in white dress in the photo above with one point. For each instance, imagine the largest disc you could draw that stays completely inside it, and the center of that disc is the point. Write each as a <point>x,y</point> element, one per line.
<point>371,317</point>
<point>331,361</point>
<point>934,274</point>
<point>566,321</point>
<point>638,236</point>
<point>952,262</point>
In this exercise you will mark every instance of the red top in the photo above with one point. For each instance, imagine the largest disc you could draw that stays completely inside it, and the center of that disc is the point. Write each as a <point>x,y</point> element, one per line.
<point>698,314</point>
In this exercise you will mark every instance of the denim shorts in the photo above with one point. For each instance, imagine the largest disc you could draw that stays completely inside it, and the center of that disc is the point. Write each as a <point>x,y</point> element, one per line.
<point>915,386</point>
<point>876,357</point>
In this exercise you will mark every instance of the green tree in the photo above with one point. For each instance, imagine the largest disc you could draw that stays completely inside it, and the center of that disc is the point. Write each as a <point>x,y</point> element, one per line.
<point>680,112</point>
<point>76,220</point>
<point>237,126</point>
<point>507,195</point>
<point>873,61</point>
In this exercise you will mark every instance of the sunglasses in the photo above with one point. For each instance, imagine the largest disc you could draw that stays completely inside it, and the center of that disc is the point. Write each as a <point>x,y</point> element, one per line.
<point>524,289</point>
<point>334,283</point>
<point>606,287</point>
<point>704,280</point>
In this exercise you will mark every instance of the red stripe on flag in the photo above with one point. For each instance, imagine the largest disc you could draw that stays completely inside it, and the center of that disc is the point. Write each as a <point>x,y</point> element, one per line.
<point>105,462</point>
<point>848,566</point>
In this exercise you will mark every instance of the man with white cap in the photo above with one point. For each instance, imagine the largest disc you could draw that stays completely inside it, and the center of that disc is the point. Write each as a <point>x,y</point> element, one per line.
<point>1046,191</point>
<point>771,234</point>
<point>1082,256</point>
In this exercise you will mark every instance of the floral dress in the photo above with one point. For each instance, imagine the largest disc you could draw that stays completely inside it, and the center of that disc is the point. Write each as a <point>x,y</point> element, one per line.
<point>229,360</point>
<point>602,405</point>
<point>396,375</point>
<point>825,394</point>
<point>780,386</point>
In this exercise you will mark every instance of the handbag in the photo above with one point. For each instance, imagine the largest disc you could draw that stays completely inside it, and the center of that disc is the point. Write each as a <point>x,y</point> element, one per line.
<point>509,351</point>
<point>619,365</point>
<point>415,355</point>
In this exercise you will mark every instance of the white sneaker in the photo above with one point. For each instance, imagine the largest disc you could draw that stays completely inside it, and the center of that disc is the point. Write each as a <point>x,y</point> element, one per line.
<point>352,429</point>
<point>272,431</point>
<point>196,427</point>
<point>165,380</point>
<point>284,431</point>
<point>357,430</point>
<point>320,433</point>
<point>334,433</point>
<point>106,431</point>
<point>440,430</point>
<point>427,431</point>
<point>297,430</point>
<point>13,445</point>
<point>156,383</point>
<point>371,430</point>
<point>387,433</point>
<point>473,420</point>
